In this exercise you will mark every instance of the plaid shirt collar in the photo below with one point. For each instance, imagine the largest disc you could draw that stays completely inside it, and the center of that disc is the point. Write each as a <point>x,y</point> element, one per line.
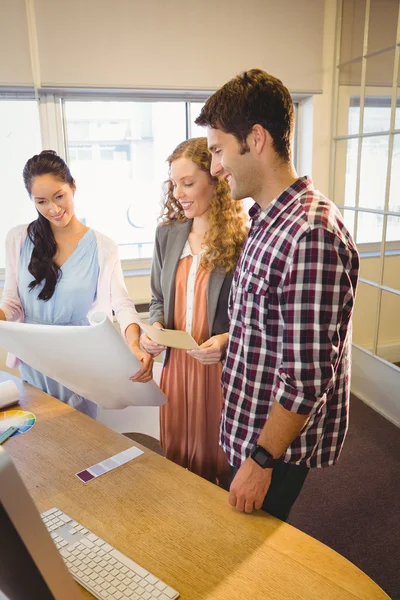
<point>280,203</point>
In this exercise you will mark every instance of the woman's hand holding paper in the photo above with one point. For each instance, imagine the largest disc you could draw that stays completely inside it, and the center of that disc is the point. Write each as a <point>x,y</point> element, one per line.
<point>212,351</point>
<point>151,347</point>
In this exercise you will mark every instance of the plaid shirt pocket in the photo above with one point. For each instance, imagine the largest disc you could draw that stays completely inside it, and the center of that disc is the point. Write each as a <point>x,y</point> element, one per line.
<point>254,296</point>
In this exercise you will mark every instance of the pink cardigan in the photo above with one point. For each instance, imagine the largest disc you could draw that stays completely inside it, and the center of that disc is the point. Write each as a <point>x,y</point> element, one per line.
<point>112,294</point>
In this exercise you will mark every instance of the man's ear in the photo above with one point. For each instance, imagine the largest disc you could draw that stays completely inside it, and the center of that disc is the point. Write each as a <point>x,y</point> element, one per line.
<point>260,137</point>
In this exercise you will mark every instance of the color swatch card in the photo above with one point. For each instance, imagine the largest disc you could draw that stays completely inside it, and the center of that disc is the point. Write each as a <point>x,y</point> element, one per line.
<point>21,419</point>
<point>109,464</point>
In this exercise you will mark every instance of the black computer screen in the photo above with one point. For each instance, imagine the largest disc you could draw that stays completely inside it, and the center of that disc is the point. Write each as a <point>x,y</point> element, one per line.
<point>20,579</point>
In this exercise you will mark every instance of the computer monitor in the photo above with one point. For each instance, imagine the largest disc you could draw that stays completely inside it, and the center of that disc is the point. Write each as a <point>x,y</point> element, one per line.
<point>30,564</point>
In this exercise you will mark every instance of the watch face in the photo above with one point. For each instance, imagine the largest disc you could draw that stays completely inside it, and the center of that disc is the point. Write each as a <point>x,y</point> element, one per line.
<point>260,457</point>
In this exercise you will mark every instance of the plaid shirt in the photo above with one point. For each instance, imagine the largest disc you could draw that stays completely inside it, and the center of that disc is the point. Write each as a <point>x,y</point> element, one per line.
<point>290,308</point>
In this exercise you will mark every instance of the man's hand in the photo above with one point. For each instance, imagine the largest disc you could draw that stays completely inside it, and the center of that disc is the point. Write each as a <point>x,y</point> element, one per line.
<point>212,350</point>
<point>249,487</point>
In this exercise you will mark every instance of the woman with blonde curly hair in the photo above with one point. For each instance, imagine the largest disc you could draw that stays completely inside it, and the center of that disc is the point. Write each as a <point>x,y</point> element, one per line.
<point>197,245</point>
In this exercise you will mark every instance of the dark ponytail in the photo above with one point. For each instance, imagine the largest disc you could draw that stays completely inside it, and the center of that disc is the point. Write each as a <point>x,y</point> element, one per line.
<point>41,266</point>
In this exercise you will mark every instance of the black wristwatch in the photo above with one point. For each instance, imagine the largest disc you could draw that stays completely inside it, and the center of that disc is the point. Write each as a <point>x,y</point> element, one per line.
<point>264,458</point>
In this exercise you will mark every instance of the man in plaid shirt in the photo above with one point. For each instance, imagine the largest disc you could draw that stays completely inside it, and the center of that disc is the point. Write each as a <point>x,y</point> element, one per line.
<point>286,378</point>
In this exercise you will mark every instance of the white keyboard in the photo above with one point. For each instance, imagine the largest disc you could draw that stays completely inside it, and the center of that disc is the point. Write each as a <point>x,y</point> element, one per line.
<point>101,569</point>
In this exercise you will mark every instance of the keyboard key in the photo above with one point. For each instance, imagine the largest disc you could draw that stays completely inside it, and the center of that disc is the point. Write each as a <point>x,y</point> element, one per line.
<point>65,518</point>
<point>49,512</point>
<point>107,547</point>
<point>169,592</point>
<point>160,585</point>
<point>133,586</point>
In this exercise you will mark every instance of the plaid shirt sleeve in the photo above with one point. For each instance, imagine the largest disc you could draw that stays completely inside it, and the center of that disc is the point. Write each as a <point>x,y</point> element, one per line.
<point>316,299</point>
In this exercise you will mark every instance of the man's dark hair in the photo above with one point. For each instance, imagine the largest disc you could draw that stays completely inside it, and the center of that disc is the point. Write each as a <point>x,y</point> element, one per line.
<point>253,97</point>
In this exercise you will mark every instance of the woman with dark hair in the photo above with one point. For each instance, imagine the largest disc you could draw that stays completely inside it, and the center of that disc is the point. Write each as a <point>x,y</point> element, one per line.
<point>58,271</point>
<point>197,246</point>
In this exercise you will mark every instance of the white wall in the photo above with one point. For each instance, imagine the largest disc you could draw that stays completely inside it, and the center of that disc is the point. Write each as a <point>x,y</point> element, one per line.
<point>377,383</point>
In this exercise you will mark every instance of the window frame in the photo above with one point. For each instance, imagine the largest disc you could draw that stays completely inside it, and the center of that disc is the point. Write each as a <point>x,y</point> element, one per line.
<point>134,266</point>
<point>341,110</point>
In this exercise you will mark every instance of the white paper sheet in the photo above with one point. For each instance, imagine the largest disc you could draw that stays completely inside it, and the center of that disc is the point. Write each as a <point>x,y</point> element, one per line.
<point>173,338</point>
<point>93,361</point>
<point>9,394</point>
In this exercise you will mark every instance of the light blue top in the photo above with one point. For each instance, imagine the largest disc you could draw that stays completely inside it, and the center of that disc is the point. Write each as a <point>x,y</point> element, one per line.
<point>73,297</point>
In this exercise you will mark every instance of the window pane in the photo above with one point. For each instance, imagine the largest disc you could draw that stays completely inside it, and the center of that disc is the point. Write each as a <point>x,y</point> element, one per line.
<point>365,314</point>
<point>349,218</point>
<point>377,112</point>
<point>117,153</point>
<point>394,196</point>
<point>370,262</point>
<point>374,163</point>
<point>352,38</point>
<point>382,24</point>
<point>397,115</point>
<point>19,140</point>
<point>379,80</point>
<point>346,172</point>
<point>196,130</point>
<point>369,228</point>
<point>391,269</point>
<point>348,116</point>
<point>389,328</point>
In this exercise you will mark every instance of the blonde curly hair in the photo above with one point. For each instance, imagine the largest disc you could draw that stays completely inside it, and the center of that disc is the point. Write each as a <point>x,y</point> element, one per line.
<point>227,228</point>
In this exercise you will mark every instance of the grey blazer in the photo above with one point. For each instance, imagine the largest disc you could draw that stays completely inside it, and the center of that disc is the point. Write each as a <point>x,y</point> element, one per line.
<point>169,243</point>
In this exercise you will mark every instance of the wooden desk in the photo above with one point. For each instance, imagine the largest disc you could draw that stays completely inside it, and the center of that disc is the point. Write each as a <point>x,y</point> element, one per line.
<point>172,522</point>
